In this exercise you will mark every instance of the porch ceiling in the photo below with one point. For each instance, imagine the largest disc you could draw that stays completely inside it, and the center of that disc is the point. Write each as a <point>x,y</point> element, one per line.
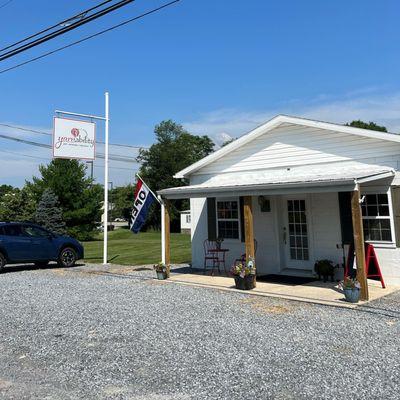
<point>281,181</point>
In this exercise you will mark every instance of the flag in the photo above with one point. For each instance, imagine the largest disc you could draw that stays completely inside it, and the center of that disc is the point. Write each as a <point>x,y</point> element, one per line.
<point>144,198</point>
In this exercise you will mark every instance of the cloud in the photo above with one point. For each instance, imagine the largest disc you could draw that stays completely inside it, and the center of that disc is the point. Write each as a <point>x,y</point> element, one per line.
<point>364,104</point>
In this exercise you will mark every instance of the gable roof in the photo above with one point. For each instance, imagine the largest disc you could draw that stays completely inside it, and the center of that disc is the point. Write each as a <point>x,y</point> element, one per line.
<point>274,123</point>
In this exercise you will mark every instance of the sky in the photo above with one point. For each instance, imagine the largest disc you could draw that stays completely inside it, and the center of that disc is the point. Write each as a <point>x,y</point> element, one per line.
<point>218,67</point>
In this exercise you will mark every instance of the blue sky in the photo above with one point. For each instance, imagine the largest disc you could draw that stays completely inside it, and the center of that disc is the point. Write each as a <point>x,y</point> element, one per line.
<point>218,67</point>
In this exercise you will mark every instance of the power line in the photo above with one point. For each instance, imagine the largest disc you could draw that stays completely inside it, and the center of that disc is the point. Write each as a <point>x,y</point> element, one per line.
<point>47,159</point>
<point>49,134</point>
<point>65,29</point>
<point>81,14</point>
<point>114,157</point>
<point>5,3</point>
<point>154,10</point>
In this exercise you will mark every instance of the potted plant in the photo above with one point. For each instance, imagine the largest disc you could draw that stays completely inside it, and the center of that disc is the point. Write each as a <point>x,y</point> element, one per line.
<point>324,268</point>
<point>244,275</point>
<point>162,271</point>
<point>351,288</point>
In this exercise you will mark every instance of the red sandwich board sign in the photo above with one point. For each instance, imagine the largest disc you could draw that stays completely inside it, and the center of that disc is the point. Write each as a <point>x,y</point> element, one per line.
<point>372,267</point>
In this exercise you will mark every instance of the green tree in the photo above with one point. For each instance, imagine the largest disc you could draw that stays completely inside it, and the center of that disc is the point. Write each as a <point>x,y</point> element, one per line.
<point>17,205</point>
<point>174,150</point>
<point>367,125</point>
<point>80,200</point>
<point>5,189</point>
<point>49,213</point>
<point>122,199</point>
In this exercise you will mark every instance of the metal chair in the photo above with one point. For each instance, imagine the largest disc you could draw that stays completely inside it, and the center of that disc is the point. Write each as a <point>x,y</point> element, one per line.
<point>210,256</point>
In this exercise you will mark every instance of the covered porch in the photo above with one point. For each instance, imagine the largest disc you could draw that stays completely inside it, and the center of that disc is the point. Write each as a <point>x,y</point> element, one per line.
<point>285,219</point>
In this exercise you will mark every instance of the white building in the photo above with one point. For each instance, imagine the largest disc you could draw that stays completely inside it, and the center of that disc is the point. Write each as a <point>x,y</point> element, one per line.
<point>186,221</point>
<point>301,176</point>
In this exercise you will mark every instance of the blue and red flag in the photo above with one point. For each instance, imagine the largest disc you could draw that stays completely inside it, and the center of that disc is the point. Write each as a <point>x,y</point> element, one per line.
<point>144,198</point>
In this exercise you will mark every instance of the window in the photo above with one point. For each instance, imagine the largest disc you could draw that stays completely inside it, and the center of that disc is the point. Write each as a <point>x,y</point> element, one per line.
<point>376,218</point>
<point>228,219</point>
<point>12,230</point>
<point>188,219</point>
<point>33,231</point>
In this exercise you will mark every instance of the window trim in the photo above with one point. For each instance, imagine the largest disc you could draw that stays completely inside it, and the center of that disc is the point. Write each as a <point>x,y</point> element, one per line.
<point>388,192</point>
<point>237,200</point>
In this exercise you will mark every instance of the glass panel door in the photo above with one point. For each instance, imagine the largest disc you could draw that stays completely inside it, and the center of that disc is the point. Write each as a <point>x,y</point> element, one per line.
<point>298,234</point>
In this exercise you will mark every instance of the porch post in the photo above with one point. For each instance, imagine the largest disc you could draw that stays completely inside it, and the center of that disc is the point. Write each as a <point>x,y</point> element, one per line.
<point>248,227</point>
<point>167,234</point>
<point>359,242</point>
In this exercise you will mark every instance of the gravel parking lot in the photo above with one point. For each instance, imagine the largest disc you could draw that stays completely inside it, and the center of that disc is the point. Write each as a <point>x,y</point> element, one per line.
<point>79,334</point>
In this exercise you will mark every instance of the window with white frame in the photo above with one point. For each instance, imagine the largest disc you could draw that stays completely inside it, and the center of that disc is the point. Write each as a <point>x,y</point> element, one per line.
<point>228,219</point>
<point>188,219</point>
<point>376,218</point>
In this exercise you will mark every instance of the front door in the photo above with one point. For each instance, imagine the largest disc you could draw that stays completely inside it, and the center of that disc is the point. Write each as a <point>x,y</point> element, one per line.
<point>296,239</point>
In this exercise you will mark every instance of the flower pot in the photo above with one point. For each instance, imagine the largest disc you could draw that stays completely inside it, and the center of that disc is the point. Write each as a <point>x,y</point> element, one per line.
<point>352,295</point>
<point>161,275</point>
<point>246,283</point>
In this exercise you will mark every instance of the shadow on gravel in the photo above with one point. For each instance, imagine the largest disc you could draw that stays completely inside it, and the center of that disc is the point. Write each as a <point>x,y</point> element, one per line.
<point>32,267</point>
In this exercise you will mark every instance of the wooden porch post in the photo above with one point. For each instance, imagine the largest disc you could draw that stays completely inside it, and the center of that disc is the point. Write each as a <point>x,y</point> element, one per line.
<point>248,228</point>
<point>359,242</point>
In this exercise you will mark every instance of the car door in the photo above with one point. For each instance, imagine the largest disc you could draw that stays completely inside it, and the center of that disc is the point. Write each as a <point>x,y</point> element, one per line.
<point>16,244</point>
<point>42,247</point>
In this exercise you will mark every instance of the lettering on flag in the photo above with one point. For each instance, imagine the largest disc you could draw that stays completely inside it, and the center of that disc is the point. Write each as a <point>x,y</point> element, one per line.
<point>143,200</point>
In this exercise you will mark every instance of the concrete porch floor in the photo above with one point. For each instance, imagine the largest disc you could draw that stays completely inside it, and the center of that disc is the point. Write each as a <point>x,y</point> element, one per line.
<point>316,292</point>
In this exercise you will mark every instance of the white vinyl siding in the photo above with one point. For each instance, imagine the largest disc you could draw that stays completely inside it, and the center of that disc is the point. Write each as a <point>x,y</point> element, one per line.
<point>297,145</point>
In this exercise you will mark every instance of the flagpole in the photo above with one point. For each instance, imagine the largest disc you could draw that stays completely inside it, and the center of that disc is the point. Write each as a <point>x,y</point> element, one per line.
<point>105,242</point>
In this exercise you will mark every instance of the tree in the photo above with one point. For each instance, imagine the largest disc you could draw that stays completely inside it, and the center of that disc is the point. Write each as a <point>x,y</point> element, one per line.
<point>228,141</point>
<point>5,189</point>
<point>174,150</point>
<point>122,199</point>
<point>80,200</point>
<point>367,125</point>
<point>17,205</point>
<point>49,214</point>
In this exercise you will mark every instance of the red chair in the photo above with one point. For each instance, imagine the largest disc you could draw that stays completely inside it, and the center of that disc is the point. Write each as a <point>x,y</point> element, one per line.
<point>210,256</point>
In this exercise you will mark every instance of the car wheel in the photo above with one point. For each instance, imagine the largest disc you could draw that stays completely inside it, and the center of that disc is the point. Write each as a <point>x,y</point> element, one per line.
<point>67,257</point>
<point>3,262</point>
<point>41,264</point>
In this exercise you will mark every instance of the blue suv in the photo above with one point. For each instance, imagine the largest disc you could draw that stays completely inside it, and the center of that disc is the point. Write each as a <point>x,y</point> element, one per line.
<point>29,243</point>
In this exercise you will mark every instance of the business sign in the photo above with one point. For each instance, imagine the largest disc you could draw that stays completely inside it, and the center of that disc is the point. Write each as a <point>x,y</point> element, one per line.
<point>74,139</point>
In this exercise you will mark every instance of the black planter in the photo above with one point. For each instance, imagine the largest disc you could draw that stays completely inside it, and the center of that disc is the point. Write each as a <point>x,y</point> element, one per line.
<point>246,283</point>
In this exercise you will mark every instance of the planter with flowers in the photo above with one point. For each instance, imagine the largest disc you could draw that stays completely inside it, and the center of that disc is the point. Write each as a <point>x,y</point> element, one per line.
<point>162,271</point>
<point>244,275</point>
<point>351,288</point>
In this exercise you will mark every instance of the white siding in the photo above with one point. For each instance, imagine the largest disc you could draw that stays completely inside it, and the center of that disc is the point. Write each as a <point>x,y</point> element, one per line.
<point>199,230</point>
<point>295,145</point>
<point>325,222</point>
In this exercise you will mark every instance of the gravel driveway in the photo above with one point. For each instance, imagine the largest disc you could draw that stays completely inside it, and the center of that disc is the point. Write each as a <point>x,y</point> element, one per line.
<point>75,334</point>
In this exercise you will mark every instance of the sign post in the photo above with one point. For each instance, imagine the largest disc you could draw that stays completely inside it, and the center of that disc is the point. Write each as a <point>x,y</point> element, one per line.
<point>76,139</point>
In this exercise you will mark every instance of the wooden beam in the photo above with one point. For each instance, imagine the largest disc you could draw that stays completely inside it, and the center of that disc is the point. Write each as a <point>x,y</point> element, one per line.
<point>167,234</point>
<point>358,233</point>
<point>248,227</point>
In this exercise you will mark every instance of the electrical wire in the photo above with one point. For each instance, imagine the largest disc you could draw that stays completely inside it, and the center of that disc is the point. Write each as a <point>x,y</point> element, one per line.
<point>65,29</point>
<point>114,157</point>
<point>82,13</point>
<point>47,159</point>
<point>49,134</point>
<point>5,3</point>
<point>154,10</point>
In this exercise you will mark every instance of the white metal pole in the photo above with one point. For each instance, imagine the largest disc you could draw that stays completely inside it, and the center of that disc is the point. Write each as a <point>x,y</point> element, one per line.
<point>105,243</point>
<point>162,230</point>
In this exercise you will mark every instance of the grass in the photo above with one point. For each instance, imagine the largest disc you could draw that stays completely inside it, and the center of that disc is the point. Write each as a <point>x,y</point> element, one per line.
<point>126,248</point>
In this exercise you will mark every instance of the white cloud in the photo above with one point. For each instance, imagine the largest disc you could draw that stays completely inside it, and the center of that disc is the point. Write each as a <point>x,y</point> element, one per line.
<point>365,104</point>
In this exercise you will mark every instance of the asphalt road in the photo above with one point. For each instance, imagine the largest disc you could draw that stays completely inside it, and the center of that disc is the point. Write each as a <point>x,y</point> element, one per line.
<point>77,334</point>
